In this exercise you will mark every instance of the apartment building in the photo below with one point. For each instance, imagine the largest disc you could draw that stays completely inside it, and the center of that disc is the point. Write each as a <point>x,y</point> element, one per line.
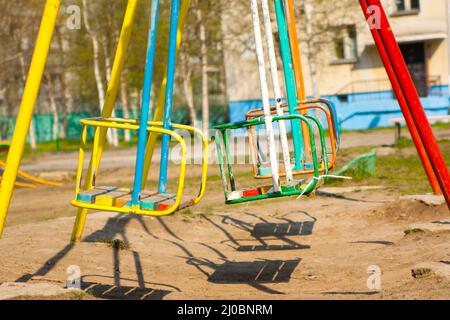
<point>352,75</point>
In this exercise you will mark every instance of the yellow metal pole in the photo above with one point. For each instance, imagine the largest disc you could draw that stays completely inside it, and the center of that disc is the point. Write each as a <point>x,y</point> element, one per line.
<point>159,110</point>
<point>110,100</point>
<point>26,109</point>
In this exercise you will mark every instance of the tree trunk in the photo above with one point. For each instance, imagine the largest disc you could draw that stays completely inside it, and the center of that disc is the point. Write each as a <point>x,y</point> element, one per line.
<point>53,107</point>
<point>64,92</point>
<point>309,16</point>
<point>96,56</point>
<point>114,133</point>
<point>32,131</point>
<point>314,78</point>
<point>312,60</point>
<point>186,72</point>
<point>125,107</point>
<point>32,134</point>
<point>66,104</point>
<point>205,80</point>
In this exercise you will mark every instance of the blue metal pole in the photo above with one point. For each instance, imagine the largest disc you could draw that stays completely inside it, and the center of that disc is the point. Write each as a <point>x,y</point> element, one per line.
<point>290,83</point>
<point>172,59</point>
<point>145,105</point>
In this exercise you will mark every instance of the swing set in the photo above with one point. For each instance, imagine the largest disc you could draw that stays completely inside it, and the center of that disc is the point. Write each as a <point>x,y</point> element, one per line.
<point>312,157</point>
<point>324,106</point>
<point>138,200</point>
<point>308,158</point>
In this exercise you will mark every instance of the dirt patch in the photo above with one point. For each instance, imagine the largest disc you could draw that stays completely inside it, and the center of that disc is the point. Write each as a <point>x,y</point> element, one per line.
<point>37,291</point>
<point>283,249</point>
<point>410,210</point>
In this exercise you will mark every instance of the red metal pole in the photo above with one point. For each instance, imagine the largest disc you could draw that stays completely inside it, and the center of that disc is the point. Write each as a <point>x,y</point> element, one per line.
<point>410,93</point>
<point>403,104</point>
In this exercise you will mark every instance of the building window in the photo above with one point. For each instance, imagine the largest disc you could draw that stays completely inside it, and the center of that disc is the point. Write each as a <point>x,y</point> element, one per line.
<point>400,4</point>
<point>405,7</point>
<point>345,45</point>
<point>415,4</point>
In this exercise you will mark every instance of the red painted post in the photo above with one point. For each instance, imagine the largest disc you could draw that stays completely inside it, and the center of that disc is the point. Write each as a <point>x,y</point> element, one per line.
<point>403,104</point>
<point>412,98</point>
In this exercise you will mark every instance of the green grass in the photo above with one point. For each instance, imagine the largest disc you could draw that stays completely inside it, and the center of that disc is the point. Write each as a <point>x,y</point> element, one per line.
<point>116,244</point>
<point>403,143</point>
<point>48,147</point>
<point>358,173</point>
<point>401,170</point>
<point>185,212</point>
<point>408,231</point>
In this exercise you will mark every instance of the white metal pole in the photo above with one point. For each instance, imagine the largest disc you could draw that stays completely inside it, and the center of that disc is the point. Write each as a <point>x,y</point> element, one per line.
<point>265,97</point>
<point>277,89</point>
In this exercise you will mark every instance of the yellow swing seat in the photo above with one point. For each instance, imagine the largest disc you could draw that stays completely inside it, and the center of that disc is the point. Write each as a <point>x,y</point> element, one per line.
<point>118,199</point>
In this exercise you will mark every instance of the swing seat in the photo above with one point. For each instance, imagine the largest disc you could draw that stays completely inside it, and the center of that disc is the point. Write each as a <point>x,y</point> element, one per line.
<point>294,188</point>
<point>266,172</point>
<point>263,172</point>
<point>119,199</point>
<point>266,192</point>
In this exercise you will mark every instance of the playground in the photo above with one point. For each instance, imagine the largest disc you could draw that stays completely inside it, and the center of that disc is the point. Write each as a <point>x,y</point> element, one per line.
<point>282,249</point>
<point>282,204</point>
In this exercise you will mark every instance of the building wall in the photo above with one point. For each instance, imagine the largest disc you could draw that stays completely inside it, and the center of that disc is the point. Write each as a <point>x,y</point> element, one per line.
<point>361,90</point>
<point>431,22</point>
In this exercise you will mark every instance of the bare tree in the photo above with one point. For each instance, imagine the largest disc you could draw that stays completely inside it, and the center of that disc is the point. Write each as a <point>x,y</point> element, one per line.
<point>204,64</point>
<point>32,132</point>
<point>320,20</point>
<point>52,103</point>
<point>65,92</point>
<point>95,39</point>
<point>124,97</point>
<point>108,66</point>
<point>186,75</point>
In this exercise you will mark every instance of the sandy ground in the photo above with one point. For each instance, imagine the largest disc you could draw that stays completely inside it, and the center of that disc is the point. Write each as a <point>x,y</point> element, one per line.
<point>287,249</point>
<point>319,247</point>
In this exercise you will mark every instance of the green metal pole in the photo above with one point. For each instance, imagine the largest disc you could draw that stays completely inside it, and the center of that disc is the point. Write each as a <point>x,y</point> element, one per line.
<point>290,84</point>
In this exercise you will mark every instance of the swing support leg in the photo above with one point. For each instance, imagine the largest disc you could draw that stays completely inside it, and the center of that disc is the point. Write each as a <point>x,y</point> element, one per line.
<point>111,95</point>
<point>409,101</point>
<point>26,109</point>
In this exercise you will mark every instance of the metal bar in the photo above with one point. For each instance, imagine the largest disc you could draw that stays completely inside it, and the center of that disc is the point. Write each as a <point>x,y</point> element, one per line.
<point>26,109</point>
<point>137,210</point>
<point>290,84</point>
<point>265,96</point>
<point>159,109</point>
<point>175,13</point>
<point>297,63</point>
<point>110,100</point>
<point>303,107</point>
<point>277,89</point>
<point>409,100</point>
<point>226,142</point>
<point>145,104</point>
<point>223,174</point>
